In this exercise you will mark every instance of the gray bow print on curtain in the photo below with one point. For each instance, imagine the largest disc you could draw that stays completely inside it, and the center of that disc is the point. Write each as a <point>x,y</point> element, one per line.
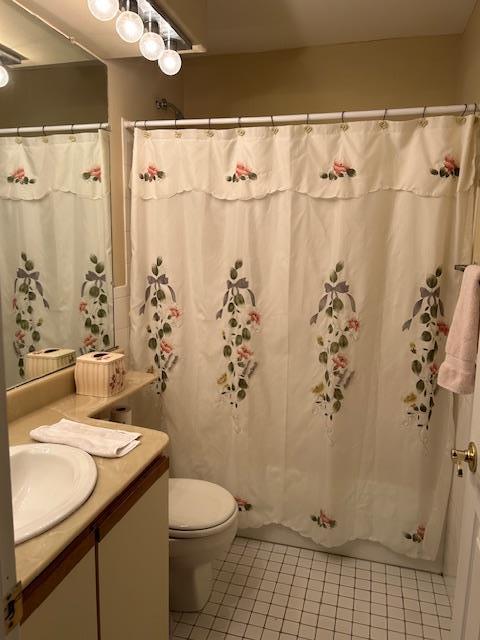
<point>431,296</point>
<point>332,291</point>
<point>97,280</point>
<point>235,287</point>
<point>156,282</point>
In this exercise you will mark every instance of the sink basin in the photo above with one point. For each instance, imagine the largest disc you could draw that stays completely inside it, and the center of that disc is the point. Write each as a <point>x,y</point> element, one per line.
<point>49,482</point>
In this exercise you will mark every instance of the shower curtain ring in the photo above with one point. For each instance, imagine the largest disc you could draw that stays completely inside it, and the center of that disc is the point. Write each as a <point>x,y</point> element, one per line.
<point>423,121</point>
<point>240,131</point>
<point>18,139</point>
<point>72,135</point>
<point>461,119</point>
<point>308,128</point>
<point>146,133</point>
<point>44,139</point>
<point>210,132</point>
<point>274,128</point>
<point>344,125</point>
<point>383,122</point>
<point>178,134</point>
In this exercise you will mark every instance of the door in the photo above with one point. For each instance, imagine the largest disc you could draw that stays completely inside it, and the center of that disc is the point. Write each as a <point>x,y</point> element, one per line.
<point>466,610</point>
<point>7,549</point>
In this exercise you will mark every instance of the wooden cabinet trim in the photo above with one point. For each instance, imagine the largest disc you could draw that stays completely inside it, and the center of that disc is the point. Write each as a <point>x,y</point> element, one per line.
<point>42,586</point>
<point>125,501</point>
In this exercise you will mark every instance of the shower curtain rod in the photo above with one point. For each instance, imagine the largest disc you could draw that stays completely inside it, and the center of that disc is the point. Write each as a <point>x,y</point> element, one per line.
<point>60,128</point>
<point>379,114</point>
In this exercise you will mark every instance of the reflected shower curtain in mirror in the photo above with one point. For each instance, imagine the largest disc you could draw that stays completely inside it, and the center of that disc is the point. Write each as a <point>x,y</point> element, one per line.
<point>292,290</point>
<point>55,274</point>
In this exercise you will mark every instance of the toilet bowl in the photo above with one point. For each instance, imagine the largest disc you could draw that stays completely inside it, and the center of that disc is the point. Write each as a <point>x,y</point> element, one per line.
<point>202,524</point>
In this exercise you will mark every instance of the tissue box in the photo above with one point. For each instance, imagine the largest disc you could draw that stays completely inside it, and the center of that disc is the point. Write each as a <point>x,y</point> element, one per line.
<point>38,363</point>
<point>100,374</point>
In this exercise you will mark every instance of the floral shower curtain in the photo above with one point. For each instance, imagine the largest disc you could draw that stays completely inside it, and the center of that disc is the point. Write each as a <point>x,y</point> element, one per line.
<point>292,290</point>
<point>55,257</point>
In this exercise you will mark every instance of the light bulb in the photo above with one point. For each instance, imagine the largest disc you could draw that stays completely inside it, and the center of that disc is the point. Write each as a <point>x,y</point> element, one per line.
<point>103,9</point>
<point>151,45</point>
<point>129,26</point>
<point>170,62</point>
<point>4,77</point>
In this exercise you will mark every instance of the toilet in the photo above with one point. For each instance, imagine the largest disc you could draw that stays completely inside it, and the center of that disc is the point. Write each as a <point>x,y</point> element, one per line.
<point>202,524</point>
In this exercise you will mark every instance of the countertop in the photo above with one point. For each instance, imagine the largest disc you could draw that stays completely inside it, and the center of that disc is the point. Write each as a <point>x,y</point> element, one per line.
<point>114,474</point>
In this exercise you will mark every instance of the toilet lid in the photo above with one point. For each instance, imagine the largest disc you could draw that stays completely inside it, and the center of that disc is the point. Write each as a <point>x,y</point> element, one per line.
<point>197,504</point>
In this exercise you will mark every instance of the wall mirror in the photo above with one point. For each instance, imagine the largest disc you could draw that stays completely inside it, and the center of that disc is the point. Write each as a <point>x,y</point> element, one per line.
<point>55,224</point>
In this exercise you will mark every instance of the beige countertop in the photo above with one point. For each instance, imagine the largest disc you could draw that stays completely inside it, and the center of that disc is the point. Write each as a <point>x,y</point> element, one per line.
<point>114,474</point>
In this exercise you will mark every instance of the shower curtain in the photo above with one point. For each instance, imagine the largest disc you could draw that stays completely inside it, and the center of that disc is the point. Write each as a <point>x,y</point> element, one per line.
<point>292,290</point>
<point>55,257</point>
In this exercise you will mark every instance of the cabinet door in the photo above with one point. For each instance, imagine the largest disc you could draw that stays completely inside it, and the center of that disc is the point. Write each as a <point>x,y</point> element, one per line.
<point>70,611</point>
<point>133,570</point>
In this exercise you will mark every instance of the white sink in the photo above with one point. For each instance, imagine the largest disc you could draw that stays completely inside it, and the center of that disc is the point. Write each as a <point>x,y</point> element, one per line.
<point>49,482</point>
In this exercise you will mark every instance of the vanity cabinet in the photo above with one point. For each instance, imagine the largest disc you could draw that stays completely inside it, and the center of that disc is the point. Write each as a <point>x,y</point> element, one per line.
<point>133,569</point>
<point>111,583</point>
<point>70,611</point>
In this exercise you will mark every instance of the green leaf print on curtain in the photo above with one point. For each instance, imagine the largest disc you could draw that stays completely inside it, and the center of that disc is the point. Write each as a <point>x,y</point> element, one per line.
<point>28,293</point>
<point>165,317</point>
<point>427,321</point>
<point>94,308</point>
<point>337,307</point>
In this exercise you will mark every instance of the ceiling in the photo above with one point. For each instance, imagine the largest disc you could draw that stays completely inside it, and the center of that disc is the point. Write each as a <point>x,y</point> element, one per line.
<point>225,26</point>
<point>267,25</point>
<point>34,40</point>
<point>74,19</point>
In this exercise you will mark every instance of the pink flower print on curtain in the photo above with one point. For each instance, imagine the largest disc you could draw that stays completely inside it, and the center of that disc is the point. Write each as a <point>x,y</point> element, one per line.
<point>242,172</point>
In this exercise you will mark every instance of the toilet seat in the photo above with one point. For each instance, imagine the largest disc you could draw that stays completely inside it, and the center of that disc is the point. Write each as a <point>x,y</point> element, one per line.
<point>198,508</point>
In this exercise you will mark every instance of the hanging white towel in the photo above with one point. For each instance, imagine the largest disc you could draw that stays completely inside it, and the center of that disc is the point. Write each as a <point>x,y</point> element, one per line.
<point>457,372</point>
<point>98,441</point>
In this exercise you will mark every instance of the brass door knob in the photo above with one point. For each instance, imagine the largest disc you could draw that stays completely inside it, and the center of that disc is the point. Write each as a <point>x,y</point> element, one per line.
<point>469,456</point>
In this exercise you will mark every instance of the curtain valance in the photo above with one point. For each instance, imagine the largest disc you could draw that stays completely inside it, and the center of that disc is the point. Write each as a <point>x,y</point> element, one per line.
<point>433,157</point>
<point>31,168</point>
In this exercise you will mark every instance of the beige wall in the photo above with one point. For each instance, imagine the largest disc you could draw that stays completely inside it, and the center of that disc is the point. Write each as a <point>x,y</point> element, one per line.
<point>468,65</point>
<point>468,84</point>
<point>133,86</point>
<point>60,94</point>
<point>403,72</point>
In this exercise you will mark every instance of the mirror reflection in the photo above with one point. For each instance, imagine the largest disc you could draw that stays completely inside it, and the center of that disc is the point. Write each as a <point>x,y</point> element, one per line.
<point>55,237</point>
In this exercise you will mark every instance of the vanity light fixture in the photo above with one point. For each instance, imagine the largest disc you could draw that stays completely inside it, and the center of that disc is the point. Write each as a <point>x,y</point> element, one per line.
<point>129,25</point>
<point>104,9</point>
<point>4,76</point>
<point>132,16</point>
<point>151,43</point>
<point>170,62</point>
<point>8,57</point>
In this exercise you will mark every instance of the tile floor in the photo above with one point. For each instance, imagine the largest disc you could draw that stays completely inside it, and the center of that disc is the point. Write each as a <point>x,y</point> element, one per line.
<point>265,591</point>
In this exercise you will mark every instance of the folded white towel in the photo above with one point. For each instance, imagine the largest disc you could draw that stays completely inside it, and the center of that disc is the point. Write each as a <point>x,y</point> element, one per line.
<point>457,372</point>
<point>98,441</point>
